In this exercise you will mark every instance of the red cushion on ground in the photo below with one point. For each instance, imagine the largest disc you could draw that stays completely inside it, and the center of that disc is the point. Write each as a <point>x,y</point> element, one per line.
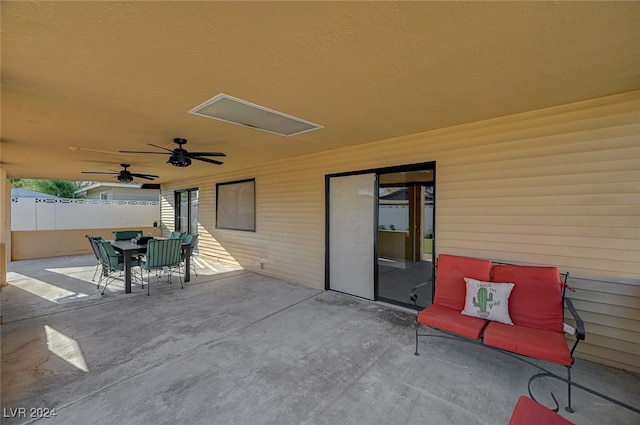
<point>451,320</point>
<point>536,300</point>
<point>538,343</point>
<point>529,412</point>
<point>451,271</point>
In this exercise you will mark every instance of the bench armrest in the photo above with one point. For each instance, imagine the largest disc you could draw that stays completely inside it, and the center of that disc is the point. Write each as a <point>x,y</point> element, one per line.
<point>580,334</point>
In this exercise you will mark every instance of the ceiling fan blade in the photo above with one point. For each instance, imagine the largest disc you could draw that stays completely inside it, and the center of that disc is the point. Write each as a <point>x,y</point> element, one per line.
<point>145,176</point>
<point>205,153</point>
<point>160,147</point>
<point>76,149</point>
<point>212,161</point>
<point>100,172</point>
<point>161,153</point>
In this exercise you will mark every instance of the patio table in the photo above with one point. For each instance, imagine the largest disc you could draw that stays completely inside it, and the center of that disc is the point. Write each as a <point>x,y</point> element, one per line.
<point>129,249</point>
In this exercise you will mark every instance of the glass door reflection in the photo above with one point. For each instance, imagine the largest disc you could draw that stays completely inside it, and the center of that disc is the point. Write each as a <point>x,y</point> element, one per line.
<point>405,237</point>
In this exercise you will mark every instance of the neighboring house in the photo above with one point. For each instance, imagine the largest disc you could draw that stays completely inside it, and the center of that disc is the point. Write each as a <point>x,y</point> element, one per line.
<point>120,191</point>
<point>21,192</point>
<point>393,211</point>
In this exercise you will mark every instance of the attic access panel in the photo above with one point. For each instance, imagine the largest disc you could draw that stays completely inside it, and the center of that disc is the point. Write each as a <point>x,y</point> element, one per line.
<point>229,109</point>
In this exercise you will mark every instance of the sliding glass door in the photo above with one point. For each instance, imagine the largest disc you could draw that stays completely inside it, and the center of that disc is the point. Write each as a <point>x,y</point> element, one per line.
<point>380,233</point>
<point>186,217</point>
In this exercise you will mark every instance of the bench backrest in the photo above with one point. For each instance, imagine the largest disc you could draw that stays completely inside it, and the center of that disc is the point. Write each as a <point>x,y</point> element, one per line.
<point>451,271</point>
<point>536,298</point>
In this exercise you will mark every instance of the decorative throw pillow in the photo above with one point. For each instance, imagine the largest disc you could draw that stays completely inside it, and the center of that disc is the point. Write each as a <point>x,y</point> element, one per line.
<point>488,300</point>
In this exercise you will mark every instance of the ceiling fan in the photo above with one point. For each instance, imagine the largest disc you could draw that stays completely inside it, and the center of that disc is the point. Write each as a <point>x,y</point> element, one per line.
<point>124,175</point>
<point>180,157</point>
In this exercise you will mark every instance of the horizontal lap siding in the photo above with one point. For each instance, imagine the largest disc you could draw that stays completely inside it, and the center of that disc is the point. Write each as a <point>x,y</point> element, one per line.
<point>166,212</point>
<point>564,194</point>
<point>558,187</point>
<point>285,242</point>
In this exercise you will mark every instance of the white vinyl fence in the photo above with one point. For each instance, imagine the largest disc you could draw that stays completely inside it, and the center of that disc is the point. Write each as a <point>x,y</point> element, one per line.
<point>64,214</point>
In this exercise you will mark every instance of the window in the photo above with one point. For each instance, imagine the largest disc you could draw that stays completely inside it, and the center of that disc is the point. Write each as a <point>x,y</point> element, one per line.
<point>236,205</point>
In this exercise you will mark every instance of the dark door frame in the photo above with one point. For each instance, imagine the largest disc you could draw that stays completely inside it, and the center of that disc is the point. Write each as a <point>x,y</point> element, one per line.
<point>178,209</point>
<point>431,165</point>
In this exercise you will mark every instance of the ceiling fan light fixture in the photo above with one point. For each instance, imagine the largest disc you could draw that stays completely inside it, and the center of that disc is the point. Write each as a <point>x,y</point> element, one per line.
<point>179,161</point>
<point>125,178</point>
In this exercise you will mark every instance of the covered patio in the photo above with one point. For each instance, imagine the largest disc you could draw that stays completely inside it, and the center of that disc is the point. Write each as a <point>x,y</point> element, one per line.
<point>521,116</point>
<point>237,347</point>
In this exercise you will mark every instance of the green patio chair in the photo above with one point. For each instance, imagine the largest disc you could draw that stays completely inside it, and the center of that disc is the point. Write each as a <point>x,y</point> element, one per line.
<point>124,235</point>
<point>112,263</point>
<point>161,254</point>
<point>192,240</point>
<point>177,235</point>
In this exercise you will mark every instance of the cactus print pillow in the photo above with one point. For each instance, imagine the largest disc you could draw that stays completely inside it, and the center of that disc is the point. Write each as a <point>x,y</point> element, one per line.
<point>488,300</point>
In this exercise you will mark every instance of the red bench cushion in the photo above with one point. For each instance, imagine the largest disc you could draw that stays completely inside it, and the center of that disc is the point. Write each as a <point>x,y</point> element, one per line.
<point>536,300</point>
<point>530,412</point>
<point>451,271</point>
<point>450,320</point>
<point>537,343</point>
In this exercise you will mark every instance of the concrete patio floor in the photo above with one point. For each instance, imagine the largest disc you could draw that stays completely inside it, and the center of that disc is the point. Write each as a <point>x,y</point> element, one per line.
<point>235,347</point>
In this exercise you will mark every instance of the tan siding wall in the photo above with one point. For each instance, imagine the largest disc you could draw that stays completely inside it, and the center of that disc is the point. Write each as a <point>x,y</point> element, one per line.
<point>167,205</point>
<point>557,186</point>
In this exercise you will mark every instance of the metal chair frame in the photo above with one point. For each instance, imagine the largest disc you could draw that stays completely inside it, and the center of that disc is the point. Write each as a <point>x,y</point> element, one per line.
<point>112,263</point>
<point>192,240</point>
<point>96,252</point>
<point>580,335</point>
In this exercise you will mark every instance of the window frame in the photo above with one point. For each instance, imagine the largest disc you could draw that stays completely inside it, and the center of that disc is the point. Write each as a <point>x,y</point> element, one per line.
<point>223,198</point>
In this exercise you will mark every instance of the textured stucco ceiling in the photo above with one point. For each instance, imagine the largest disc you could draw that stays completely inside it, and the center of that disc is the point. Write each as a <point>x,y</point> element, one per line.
<point>110,76</point>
